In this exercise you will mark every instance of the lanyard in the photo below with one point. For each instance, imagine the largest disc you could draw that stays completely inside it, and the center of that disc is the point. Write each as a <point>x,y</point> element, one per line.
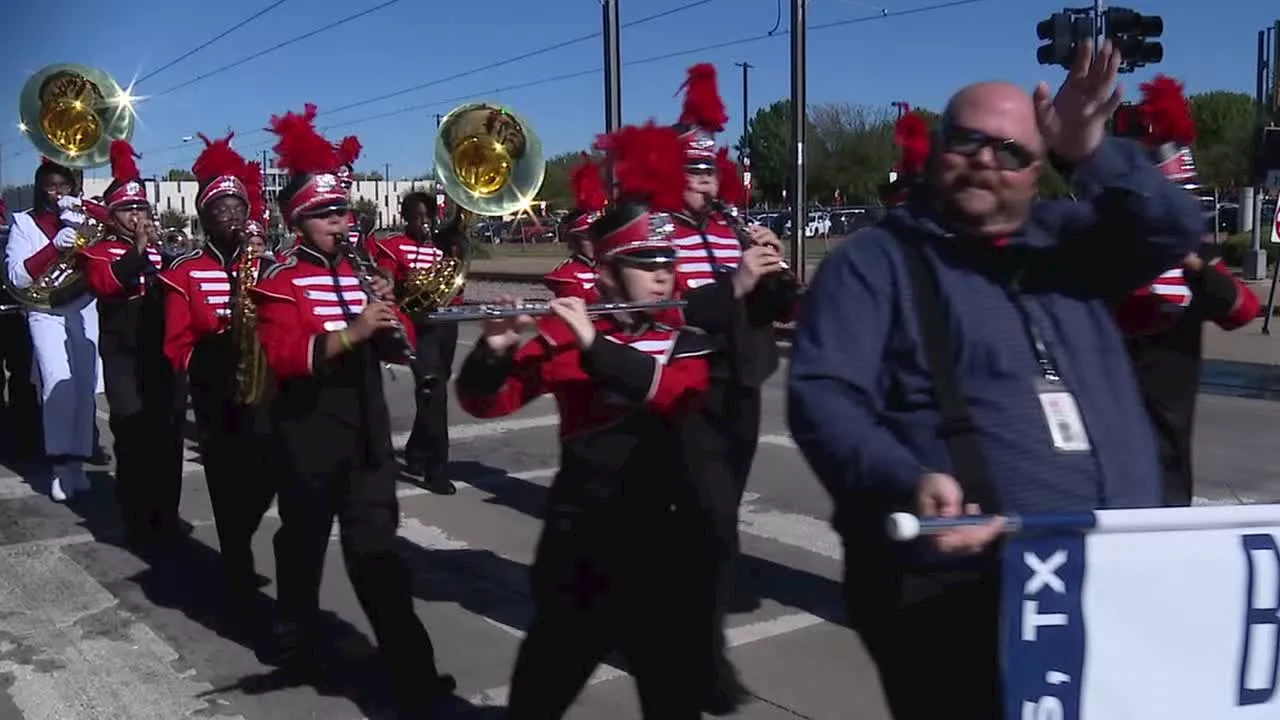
<point>1044,357</point>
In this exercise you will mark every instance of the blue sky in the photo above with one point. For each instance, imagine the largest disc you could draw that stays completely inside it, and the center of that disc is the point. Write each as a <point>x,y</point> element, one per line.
<point>919,58</point>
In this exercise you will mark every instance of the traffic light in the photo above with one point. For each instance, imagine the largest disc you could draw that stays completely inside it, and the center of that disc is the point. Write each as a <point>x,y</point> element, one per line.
<point>1131,33</point>
<point>1063,31</point>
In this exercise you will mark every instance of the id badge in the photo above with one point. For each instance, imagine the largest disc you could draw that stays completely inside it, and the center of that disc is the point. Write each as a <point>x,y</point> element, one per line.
<point>1062,415</point>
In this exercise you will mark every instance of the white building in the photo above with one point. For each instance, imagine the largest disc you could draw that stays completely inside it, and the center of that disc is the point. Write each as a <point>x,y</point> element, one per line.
<point>180,195</point>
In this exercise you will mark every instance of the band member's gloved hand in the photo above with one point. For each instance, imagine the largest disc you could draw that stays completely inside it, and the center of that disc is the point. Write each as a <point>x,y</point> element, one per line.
<point>502,334</point>
<point>66,238</point>
<point>573,311</point>
<point>70,202</point>
<point>940,495</point>
<point>71,218</point>
<point>757,261</point>
<point>376,316</point>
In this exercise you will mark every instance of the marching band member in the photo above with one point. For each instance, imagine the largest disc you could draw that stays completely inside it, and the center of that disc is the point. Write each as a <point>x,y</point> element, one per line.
<point>1163,322</point>
<point>719,269</point>
<point>321,333</point>
<point>576,275</point>
<point>601,582</point>
<point>911,135</point>
<point>64,339</point>
<point>204,294</point>
<point>145,396</point>
<point>421,245</point>
<point>22,401</point>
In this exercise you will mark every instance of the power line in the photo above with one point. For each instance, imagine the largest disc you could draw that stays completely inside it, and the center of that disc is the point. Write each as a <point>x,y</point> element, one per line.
<point>211,41</point>
<point>524,56</point>
<point>639,61</point>
<point>273,48</point>
<point>596,70</point>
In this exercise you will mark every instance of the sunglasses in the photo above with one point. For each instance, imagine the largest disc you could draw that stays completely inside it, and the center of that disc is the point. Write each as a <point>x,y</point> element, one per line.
<point>1009,155</point>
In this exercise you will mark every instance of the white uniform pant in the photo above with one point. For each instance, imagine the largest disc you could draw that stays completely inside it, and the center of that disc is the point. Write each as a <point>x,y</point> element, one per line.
<point>68,371</point>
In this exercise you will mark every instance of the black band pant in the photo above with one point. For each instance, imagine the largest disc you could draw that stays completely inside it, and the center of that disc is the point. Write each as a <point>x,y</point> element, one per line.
<point>428,444</point>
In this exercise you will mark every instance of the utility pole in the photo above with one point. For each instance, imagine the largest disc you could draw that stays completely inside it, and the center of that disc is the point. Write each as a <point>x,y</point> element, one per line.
<point>798,213</point>
<point>1255,260</point>
<point>612,74</point>
<point>746,140</point>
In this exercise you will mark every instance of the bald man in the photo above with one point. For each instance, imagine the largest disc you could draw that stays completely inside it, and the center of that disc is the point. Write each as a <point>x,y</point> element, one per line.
<point>984,371</point>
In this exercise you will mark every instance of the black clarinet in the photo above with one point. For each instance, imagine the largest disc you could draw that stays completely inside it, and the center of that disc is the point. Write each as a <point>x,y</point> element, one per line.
<point>783,286</point>
<point>365,272</point>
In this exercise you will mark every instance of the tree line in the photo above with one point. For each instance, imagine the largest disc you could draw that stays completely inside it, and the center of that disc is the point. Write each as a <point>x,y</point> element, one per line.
<point>850,148</point>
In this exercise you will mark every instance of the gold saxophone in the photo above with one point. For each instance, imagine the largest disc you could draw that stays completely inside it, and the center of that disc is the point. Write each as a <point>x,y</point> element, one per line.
<point>251,362</point>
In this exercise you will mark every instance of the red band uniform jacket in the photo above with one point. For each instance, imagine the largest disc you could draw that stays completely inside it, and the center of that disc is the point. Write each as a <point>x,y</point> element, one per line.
<point>327,410</point>
<point>618,401</point>
<point>707,253</point>
<point>130,302</point>
<point>199,306</point>
<point>575,276</point>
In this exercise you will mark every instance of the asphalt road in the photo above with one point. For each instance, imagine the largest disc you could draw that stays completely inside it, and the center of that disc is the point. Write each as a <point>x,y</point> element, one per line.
<point>88,631</point>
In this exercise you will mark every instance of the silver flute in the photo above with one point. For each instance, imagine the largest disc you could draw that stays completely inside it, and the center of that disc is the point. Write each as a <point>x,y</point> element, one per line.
<point>365,272</point>
<point>473,313</point>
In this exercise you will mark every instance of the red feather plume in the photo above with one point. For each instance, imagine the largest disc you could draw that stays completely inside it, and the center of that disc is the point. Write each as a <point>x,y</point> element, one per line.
<point>732,191</point>
<point>588,187</point>
<point>301,149</point>
<point>648,162</point>
<point>252,179</point>
<point>349,150</point>
<point>1165,110</point>
<point>911,135</point>
<point>123,168</point>
<point>218,159</point>
<point>703,106</point>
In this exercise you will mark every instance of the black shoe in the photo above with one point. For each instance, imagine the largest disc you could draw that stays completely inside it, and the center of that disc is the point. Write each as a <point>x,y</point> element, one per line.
<point>439,485</point>
<point>727,693</point>
<point>100,457</point>
<point>421,698</point>
<point>289,647</point>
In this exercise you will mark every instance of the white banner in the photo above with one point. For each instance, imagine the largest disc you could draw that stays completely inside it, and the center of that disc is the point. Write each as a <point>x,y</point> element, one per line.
<point>1135,614</point>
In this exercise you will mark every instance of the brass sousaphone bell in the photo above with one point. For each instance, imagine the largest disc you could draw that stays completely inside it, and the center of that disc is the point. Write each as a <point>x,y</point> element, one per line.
<point>71,113</point>
<point>490,163</point>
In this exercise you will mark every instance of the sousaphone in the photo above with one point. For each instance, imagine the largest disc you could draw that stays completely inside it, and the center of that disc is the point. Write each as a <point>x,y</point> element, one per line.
<point>71,114</point>
<point>490,163</point>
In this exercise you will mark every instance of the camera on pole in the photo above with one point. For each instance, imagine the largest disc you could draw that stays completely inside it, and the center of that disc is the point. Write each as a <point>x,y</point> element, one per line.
<point>1131,33</point>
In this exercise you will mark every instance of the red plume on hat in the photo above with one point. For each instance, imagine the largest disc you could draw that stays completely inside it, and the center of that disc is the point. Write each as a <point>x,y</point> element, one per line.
<point>302,150</point>
<point>703,106</point>
<point>252,179</point>
<point>911,135</point>
<point>123,168</point>
<point>217,160</point>
<point>349,150</point>
<point>648,162</point>
<point>588,187</point>
<point>732,190</point>
<point>1166,112</point>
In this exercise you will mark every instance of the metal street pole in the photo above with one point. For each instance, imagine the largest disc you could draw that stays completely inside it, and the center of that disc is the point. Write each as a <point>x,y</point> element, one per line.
<point>1097,25</point>
<point>798,214</point>
<point>612,66</point>
<point>1255,260</point>
<point>746,139</point>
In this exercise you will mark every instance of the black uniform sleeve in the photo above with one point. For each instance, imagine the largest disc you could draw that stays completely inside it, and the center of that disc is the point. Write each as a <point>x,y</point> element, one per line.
<point>129,267</point>
<point>484,371</point>
<point>712,306</point>
<point>1213,291</point>
<point>621,369</point>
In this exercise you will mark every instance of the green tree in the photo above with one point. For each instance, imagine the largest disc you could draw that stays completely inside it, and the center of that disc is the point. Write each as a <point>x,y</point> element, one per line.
<point>171,219</point>
<point>366,212</point>
<point>770,136</point>
<point>358,176</point>
<point>176,174</point>
<point>1225,123</point>
<point>556,190</point>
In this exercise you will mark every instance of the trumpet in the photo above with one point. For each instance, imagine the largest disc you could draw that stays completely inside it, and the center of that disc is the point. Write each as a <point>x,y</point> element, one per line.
<point>497,312</point>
